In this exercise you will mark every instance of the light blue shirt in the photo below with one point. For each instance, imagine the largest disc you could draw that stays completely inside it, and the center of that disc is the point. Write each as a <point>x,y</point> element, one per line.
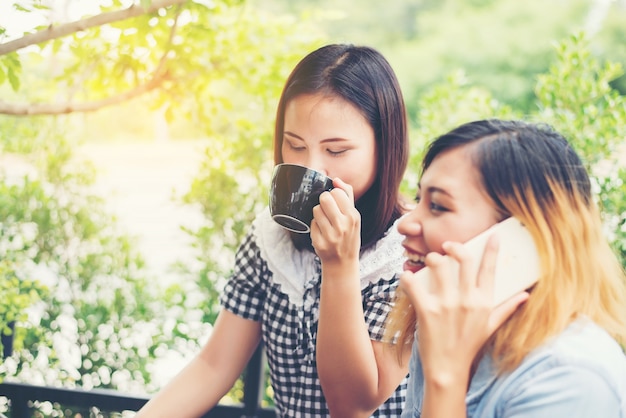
<point>580,373</point>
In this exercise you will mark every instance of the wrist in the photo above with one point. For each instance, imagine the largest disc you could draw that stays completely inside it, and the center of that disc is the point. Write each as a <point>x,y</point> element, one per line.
<point>446,380</point>
<point>340,267</point>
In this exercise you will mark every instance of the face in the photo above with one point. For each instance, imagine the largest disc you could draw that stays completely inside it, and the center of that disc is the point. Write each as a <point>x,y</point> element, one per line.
<point>451,206</point>
<point>330,135</point>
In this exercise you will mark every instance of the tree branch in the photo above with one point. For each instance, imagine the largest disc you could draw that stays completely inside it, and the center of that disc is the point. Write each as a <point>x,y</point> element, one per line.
<point>158,76</point>
<point>31,109</point>
<point>54,32</point>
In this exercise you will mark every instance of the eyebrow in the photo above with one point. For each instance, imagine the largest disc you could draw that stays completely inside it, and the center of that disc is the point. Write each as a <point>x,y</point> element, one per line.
<point>334,139</point>
<point>433,189</point>
<point>294,135</point>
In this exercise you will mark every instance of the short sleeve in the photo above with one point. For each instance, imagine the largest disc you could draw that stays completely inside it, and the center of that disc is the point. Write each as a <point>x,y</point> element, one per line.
<point>245,290</point>
<point>377,303</point>
<point>566,391</point>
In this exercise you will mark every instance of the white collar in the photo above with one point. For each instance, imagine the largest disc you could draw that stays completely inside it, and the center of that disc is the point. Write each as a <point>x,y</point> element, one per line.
<point>292,268</point>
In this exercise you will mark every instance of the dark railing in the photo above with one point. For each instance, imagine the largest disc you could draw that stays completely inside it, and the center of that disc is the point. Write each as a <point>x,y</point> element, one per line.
<point>88,403</point>
<point>7,340</point>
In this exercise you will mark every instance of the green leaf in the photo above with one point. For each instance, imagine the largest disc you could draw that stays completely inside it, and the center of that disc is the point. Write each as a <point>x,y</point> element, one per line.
<point>13,61</point>
<point>14,80</point>
<point>21,8</point>
<point>40,6</point>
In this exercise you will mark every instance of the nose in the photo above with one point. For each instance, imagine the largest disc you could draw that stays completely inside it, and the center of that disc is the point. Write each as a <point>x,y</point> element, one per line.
<point>410,224</point>
<point>316,163</point>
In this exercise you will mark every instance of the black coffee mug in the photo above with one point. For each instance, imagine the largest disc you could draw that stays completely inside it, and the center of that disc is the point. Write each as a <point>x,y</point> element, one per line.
<point>294,191</point>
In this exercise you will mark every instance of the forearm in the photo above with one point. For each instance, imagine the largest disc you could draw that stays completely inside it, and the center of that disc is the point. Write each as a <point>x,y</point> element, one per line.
<point>195,390</point>
<point>345,358</point>
<point>200,385</point>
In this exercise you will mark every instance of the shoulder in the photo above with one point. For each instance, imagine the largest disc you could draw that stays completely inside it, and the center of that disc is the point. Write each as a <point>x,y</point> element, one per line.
<point>584,345</point>
<point>581,368</point>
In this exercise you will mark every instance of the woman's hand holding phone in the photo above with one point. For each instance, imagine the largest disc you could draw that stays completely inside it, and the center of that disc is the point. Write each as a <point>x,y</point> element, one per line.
<point>462,297</point>
<point>456,319</point>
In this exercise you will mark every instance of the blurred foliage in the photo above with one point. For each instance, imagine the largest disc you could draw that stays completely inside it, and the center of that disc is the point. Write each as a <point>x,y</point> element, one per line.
<point>445,106</point>
<point>575,96</point>
<point>92,324</point>
<point>17,293</point>
<point>502,44</point>
<point>86,312</point>
<point>102,322</point>
<point>496,43</point>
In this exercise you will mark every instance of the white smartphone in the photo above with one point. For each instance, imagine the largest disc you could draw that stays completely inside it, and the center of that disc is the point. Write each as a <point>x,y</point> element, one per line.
<point>517,266</point>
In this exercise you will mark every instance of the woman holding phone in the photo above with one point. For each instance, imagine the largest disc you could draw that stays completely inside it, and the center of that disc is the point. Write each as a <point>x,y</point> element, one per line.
<point>555,350</point>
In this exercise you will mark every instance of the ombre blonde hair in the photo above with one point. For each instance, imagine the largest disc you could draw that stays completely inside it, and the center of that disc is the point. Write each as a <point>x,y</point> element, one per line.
<point>530,172</point>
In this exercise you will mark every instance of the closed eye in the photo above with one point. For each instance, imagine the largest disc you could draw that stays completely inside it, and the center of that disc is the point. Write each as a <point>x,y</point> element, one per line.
<point>336,153</point>
<point>293,145</point>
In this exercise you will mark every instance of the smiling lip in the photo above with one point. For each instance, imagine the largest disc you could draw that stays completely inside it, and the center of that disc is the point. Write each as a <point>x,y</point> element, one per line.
<point>414,262</point>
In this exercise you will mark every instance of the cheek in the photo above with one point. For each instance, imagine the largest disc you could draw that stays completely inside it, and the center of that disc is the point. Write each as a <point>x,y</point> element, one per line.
<point>446,227</point>
<point>434,237</point>
<point>289,156</point>
<point>363,178</point>
<point>360,185</point>
<point>457,231</point>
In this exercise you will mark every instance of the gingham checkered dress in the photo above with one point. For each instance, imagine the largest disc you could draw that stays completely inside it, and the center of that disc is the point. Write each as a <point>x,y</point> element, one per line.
<point>289,312</point>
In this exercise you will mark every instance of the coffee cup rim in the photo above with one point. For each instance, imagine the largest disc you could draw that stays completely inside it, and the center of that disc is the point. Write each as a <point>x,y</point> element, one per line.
<point>304,167</point>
